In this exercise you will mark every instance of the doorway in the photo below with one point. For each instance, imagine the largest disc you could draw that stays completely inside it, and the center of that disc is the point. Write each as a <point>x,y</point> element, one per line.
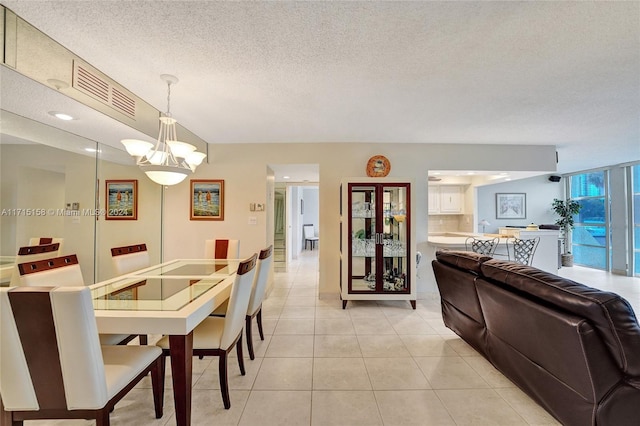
<point>280,234</point>
<point>295,202</point>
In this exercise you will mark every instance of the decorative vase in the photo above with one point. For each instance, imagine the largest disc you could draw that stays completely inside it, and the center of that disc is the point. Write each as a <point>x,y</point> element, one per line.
<point>567,260</point>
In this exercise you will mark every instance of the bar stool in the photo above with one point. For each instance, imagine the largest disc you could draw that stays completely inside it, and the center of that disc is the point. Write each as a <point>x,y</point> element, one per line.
<point>482,246</point>
<point>523,250</point>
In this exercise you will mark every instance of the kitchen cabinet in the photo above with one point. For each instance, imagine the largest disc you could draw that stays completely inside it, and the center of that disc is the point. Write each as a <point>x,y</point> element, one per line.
<point>446,199</point>
<point>376,241</point>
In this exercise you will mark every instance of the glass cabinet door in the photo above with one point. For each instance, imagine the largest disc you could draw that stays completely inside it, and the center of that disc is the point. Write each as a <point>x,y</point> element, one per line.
<point>364,235</point>
<point>394,239</point>
<point>378,226</point>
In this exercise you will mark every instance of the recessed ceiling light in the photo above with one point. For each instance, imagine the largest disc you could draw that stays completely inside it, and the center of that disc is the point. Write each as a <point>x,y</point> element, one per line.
<point>286,177</point>
<point>471,173</point>
<point>61,115</point>
<point>92,150</point>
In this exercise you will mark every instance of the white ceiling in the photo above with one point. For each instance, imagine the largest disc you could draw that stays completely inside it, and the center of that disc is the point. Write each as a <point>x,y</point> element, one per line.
<point>558,73</point>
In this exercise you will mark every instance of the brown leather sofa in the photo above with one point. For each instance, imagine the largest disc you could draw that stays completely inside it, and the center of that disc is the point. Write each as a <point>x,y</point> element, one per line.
<point>573,349</point>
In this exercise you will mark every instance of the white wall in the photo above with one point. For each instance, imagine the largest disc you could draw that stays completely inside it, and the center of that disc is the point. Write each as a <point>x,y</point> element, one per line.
<point>539,196</point>
<point>39,189</point>
<point>78,173</point>
<point>117,233</point>
<point>244,169</point>
<point>311,197</point>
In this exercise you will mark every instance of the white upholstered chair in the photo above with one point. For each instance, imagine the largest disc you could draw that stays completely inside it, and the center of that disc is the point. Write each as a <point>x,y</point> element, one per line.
<point>216,336</point>
<point>31,253</point>
<point>128,259</point>
<point>131,258</point>
<point>222,249</point>
<point>52,364</point>
<point>309,235</point>
<point>263,268</point>
<point>61,271</point>
<point>35,241</point>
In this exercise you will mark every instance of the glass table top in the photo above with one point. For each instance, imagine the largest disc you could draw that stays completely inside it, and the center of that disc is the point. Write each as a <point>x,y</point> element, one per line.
<point>150,294</point>
<point>167,287</point>
<point>193,268</point>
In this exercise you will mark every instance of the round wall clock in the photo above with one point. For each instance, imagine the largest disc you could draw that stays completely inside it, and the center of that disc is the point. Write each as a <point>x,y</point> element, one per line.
<point>378,166</point>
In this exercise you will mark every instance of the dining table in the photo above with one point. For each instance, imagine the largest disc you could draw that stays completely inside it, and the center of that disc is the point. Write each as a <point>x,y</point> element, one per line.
<point>171,299</point>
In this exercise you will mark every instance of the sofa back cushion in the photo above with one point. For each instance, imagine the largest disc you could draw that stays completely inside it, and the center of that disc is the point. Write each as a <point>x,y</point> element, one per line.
<point>456,284</point>
<point>543,347</point>
<point>465,260</point>
<point>611,315</point>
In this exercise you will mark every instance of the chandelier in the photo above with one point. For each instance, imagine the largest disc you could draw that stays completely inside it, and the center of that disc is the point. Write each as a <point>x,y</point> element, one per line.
<point>170,161</point>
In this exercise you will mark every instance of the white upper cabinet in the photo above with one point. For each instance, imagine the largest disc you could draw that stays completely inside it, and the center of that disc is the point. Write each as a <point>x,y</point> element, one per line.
<point>434,199</point>
<point>446,199</point>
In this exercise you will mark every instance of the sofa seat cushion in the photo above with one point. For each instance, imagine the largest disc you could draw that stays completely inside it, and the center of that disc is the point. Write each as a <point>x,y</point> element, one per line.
<point>610,314</point>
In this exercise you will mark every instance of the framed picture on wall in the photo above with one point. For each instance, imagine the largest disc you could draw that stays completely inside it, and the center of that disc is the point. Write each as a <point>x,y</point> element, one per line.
<point>121,200</point>
<point>207,199</point>
<point>511,205</point>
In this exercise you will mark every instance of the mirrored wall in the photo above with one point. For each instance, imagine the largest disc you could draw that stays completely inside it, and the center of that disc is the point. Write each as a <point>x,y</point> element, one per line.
<point>53,184</point>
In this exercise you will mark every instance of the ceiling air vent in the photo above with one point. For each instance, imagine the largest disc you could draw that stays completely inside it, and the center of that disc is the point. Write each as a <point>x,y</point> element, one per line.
<point>90,81</point>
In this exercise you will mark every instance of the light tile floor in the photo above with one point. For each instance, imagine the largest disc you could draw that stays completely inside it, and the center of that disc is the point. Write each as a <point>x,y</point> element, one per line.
<point>375,363</point>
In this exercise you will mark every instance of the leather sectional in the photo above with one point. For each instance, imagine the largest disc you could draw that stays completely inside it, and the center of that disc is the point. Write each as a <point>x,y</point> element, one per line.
<point>573,349</point>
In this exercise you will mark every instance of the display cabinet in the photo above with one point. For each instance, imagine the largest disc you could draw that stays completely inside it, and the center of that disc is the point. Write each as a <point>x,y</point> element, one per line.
<point>376,241</point>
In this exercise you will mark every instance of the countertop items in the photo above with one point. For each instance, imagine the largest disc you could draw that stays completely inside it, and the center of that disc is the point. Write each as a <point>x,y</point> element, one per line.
<point>547,253</point>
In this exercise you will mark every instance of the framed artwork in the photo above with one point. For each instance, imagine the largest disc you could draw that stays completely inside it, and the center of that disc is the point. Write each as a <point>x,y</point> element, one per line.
<point>122,200</point>
<point>511,205</point>
<point>207,199</point>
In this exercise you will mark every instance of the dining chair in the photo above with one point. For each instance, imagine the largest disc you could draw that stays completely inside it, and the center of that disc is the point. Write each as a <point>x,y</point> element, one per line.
<point>53,366</point>
<point>482,246</point>
<point>128,259</point>
<point>35,241</point>
<point>309,235</point>
<point>61,271</point>
<point>222,249</point>
<point>263,268</point>
<point>30,253</point>
<point>523,249</point>
<point>216,336</point>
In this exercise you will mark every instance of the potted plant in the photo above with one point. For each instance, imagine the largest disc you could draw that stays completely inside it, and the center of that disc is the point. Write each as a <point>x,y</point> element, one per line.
<point>566,210</point>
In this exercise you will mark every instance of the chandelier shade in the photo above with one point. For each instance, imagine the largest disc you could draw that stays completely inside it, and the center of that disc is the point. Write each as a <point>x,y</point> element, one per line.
<point>169,161</point>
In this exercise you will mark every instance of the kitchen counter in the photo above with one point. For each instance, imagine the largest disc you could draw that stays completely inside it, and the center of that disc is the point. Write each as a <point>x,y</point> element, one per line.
<point>545,258</point>
<point>451,239</point>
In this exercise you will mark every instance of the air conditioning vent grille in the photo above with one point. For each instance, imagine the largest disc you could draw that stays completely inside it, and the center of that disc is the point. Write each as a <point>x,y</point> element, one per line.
<point>123,102</point>
<point>89,82</point>
<point>92,84</point>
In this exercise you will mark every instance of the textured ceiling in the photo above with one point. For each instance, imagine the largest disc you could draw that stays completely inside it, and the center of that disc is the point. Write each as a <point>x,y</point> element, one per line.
<point>559,73</point>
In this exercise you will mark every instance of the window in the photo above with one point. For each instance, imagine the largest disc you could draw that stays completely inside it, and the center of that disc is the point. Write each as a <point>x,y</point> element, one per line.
<point>590,237</point>
<point>635,189</point>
